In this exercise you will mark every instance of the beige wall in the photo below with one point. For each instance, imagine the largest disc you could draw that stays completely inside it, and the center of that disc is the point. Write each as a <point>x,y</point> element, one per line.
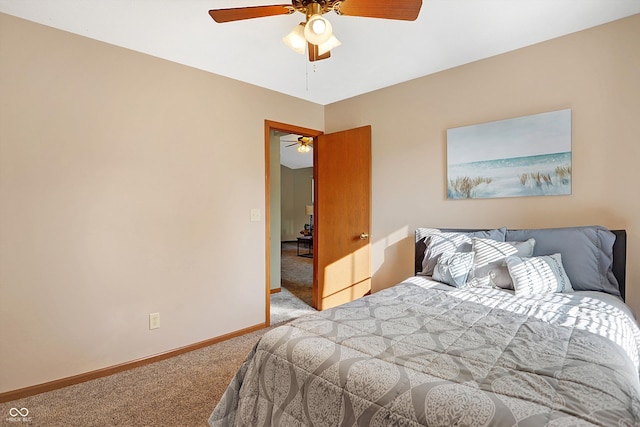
<point>595,72</point>
<point>126,185</point>
<point>296,194</point>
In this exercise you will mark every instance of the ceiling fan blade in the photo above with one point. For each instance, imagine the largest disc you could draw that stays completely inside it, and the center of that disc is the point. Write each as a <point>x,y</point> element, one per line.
<point>291,145</point>
<point>405,10</point>
<point>239,13</point>
<point>313,53</point>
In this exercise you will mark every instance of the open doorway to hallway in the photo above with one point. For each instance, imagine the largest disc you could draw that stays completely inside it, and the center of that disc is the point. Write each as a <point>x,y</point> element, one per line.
<point>290,248</point>
<point>296,228</point>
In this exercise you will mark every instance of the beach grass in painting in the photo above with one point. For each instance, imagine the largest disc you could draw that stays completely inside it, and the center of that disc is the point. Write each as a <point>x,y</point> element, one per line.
<point>525,156</point>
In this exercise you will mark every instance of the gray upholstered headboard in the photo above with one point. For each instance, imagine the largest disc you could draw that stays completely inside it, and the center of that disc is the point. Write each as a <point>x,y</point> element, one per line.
<point>619,256</point>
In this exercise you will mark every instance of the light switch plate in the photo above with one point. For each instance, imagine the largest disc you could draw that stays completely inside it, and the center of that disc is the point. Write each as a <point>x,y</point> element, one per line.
<point>255,215</point>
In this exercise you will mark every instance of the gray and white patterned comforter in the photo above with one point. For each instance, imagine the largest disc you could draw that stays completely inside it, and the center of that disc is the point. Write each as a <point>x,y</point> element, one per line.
<point>418,355</point>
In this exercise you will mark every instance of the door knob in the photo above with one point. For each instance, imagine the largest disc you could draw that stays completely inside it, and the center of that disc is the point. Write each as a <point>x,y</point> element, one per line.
<point>364,236</point>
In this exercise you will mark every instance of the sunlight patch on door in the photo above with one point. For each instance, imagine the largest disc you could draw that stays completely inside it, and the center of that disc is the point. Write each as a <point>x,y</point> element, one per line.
<point>353,268</point>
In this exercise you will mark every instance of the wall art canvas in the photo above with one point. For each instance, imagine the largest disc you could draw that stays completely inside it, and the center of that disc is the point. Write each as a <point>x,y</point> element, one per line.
<point>523,156</point>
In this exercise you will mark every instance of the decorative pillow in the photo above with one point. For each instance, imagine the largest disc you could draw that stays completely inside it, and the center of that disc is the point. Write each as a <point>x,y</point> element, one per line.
<point>538,275</point>
<point>438,242</point>
<point>587,254</point>
<point>489,268</point>
<point>453,268</point>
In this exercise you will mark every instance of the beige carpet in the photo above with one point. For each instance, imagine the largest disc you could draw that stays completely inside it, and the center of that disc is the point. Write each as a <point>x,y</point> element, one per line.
<point>181,391</point>
<point>286,306</point>
<point>296,272</point>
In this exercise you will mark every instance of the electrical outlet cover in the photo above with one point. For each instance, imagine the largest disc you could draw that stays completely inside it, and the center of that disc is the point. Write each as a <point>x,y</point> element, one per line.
<point>154,320</point>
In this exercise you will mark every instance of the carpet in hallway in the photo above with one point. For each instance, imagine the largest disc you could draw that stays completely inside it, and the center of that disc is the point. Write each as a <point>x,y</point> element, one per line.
<point>296,272</point>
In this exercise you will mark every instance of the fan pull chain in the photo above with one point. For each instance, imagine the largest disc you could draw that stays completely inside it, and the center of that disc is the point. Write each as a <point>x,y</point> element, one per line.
<point>306,72</point>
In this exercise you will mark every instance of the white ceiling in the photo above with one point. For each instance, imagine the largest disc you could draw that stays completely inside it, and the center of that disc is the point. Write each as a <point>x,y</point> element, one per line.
<point>375,53</point>
<point>291,157</point>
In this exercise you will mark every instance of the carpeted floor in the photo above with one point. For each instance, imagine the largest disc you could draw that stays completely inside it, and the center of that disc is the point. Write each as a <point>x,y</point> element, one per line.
<point>286,306</point>
<point>180,391</point>
<point>296,272</point>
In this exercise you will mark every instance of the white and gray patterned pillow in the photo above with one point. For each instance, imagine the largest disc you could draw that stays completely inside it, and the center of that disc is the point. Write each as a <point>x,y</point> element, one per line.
<point>439,241</point>
<point>489,268</point>
<point>453,268</point>
<point>538,275</point>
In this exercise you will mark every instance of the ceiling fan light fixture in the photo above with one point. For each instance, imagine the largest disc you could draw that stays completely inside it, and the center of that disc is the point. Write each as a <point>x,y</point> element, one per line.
<point>318,26</point>
<point>296,40</point>
<point>303,148</point>
<point>317,30</point>
<point>325,47</point>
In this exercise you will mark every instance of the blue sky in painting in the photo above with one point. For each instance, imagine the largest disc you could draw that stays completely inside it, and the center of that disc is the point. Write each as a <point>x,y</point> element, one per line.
<point>532,135</point>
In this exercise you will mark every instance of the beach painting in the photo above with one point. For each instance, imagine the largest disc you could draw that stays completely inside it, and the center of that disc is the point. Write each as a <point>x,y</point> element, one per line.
<point>523,156</point>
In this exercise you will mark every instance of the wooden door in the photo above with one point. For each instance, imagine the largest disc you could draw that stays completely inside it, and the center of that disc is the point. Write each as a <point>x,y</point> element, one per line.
<point>342,249</point>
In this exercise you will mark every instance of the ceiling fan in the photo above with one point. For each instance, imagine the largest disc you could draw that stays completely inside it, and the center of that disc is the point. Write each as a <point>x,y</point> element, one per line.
<point>304,143</point>
<point>316,34</point>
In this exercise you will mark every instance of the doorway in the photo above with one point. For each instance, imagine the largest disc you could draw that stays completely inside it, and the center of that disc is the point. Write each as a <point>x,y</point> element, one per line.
<point>342,214</point>
<point>289,216</point>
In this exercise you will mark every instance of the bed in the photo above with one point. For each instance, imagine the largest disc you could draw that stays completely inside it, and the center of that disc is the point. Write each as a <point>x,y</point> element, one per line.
<point>558,347</point>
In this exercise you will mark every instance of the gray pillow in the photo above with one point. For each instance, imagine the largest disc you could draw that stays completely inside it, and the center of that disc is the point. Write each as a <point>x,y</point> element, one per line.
<point>489,268</point>
<point>453,268</point>
<point>440,241</point>
<point>587,254</point>
<point>538,275</point>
